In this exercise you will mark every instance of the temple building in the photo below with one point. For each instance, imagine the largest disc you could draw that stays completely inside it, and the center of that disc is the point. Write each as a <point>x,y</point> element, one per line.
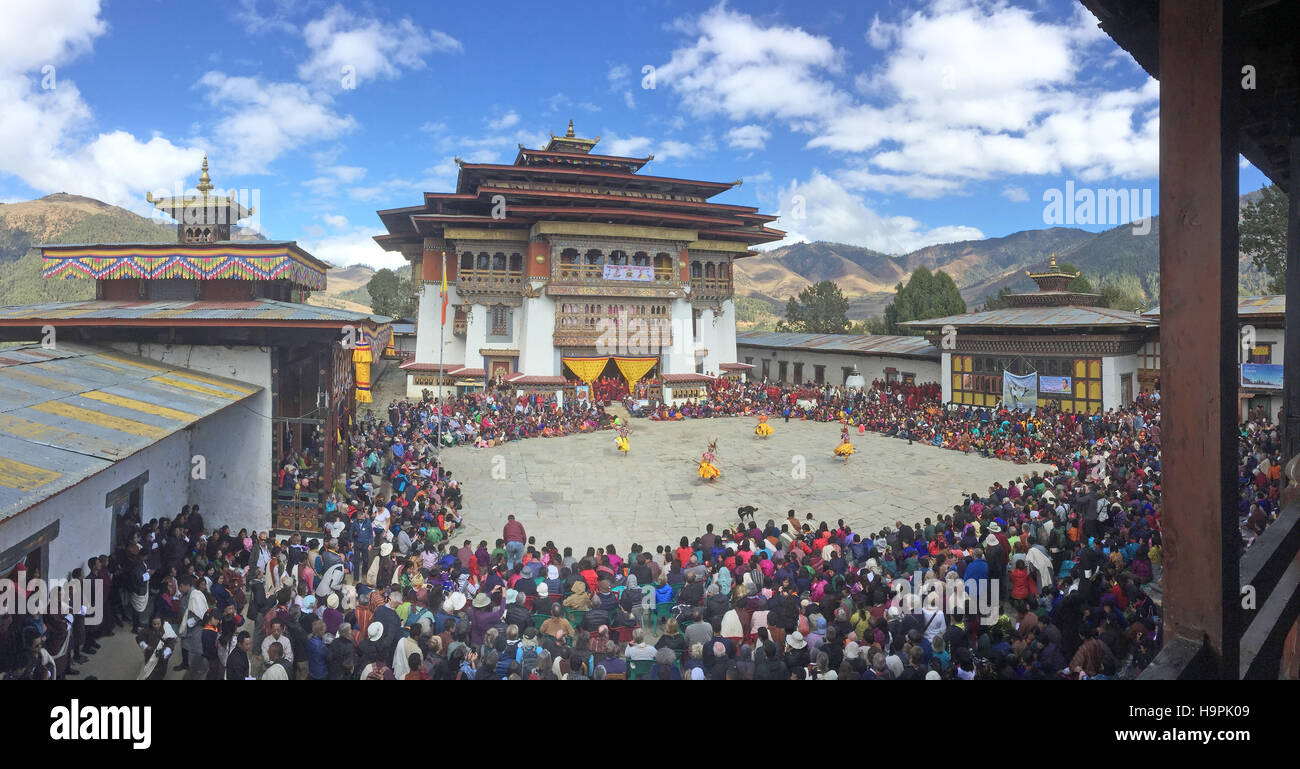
<point>1078,354</point>
<point>568,266</point>
<point>198,366</point>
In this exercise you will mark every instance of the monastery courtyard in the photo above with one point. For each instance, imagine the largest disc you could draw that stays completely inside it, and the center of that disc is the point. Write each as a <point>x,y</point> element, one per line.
<point>578,491</point>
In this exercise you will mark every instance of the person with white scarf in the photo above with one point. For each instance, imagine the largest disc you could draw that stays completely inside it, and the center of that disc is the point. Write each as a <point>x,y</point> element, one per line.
<point>402,654</point>
<point>195,607</point>
<point>156,645</point>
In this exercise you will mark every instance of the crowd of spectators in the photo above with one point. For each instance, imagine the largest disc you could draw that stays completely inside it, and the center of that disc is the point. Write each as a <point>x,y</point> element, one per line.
<point>1062,560</point>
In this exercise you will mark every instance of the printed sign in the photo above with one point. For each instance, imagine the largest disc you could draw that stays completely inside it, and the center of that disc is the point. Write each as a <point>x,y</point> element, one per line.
<point>1054,384</point>
<point>1266,376</point>
<point>629,272</point>
<point>1019,392</point>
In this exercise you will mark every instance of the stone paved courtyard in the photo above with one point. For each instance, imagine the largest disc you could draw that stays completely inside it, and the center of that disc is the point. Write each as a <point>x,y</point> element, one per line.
<point>578,491</point>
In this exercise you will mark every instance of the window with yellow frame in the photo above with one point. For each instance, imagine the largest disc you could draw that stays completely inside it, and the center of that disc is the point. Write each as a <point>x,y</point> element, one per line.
<point>1087,387</point>
<point>972,389</point>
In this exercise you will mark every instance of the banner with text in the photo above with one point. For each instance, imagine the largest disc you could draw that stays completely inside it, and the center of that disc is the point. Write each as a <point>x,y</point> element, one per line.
<point>629,272</point>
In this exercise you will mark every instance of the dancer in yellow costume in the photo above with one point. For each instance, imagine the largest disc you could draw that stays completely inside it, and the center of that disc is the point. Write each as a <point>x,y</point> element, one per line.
<point>621,439</point>
<point>708,470</point>
<point>845,449</point>
<point>764,429</point>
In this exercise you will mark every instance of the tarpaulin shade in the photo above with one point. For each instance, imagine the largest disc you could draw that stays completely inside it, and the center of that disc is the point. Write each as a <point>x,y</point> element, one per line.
<point>586,369</point>
<point>635,368</point>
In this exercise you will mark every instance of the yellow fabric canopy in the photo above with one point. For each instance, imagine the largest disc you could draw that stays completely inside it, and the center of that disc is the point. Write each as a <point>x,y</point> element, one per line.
<point>635,368</point>
<point>586,369</point>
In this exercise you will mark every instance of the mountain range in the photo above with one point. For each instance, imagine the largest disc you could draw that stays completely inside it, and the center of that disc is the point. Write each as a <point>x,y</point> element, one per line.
<point>980,268</point>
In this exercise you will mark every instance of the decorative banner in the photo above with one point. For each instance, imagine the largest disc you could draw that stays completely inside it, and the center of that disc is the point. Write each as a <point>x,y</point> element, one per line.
<point>629,272</point>
<point>635,368</point>
<point>1054,384</point>
<point>1262,375</point>
<point>1020,392</point>
<point>363,382</point>
<point>178,261</point>
<point>586,369</point>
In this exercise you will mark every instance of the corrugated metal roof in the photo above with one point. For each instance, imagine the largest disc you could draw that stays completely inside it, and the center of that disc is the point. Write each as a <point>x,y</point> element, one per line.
<point>860,344</point>
<point>1268,304</point>
<point>1067,316</point>
<point>183,310</point>
<point>70,412</point>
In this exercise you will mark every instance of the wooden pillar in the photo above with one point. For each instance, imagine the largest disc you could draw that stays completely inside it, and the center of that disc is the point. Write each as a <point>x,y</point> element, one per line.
<point>1199,87</point>
<point>1291,352</point>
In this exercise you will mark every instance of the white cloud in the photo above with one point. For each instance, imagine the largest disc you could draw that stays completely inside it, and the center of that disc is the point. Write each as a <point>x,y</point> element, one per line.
<point>47,138</point>
<point>640,146</point>
<point>332,178</point>
<point>353,247</point>
<point>911,185</point>
<point>261,120</point>
<point>1015,194</point>
<point>618,76</point>
<point>371,48</point>
<point>257,22</point>
<point>744,71</point>
<point>822,209</point>
<point>966,91</point>
<point>629,146</point>
<point>336,221</point>
<point>501,122</point>
<point>50,32</point>
<point>748,137</point>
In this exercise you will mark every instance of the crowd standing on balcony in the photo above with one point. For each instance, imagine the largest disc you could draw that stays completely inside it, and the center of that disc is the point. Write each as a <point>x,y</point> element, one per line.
<point>389,592</point>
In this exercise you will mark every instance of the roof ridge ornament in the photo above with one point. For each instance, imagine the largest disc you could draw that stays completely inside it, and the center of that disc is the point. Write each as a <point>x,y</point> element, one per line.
<point>205,182</point>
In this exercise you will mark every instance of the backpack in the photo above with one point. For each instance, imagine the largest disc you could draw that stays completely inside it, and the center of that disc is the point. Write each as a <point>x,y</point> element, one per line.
<point>527,657</point>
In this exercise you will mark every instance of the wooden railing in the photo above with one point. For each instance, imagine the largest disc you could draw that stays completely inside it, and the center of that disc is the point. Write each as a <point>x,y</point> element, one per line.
<point>710,288</point>
<point>497,281</point>
<point>581,329</point>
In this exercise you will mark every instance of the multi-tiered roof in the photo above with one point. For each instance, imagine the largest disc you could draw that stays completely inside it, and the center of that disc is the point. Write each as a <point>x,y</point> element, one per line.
<point>565,181</point>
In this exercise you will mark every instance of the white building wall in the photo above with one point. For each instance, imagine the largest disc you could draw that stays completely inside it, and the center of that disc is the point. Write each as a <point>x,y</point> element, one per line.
<point>426,324</point>
<point>681,358</point>
<point>708,341</point>
<point>476,330</point>
<point>871,367</point>
<point>726,335</point>
<point>236,447</point>
<point>428,331</point>
<point>945,375</point>
<point>718,337</point>
<point>537,337</point>
<point>85,522</point>
<point>1112,368</point>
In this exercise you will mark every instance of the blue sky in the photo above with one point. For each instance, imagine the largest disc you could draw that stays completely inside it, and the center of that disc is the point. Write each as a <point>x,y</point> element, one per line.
<point>887,124</point>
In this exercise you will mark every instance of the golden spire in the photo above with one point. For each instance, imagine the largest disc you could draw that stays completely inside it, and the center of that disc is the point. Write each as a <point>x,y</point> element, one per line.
<point>1053,264</point>
<point>569,134</point>
<point>205,183</point>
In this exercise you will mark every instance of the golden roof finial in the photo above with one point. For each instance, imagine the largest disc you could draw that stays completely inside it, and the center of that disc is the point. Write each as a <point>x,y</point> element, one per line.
<point>569,134</point>
<point>1053,263</point>
<point>205,183</point>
